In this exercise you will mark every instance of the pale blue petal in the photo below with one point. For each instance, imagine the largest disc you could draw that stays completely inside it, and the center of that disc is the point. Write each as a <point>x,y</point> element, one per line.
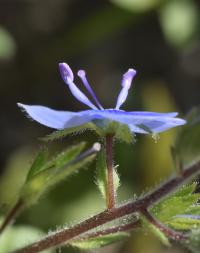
<point>165,125</point>
<point>155,122</point>
<point>160,114</point>
<point>54,119</point>
<point>136,129</point>
<point>68,77</point>
<point>126,84</point>
<point>134,118</point>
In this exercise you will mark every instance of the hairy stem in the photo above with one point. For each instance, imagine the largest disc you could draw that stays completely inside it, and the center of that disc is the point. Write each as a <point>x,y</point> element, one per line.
<point>110,195</point>
<point>11,215</point>
<point>167,231</point>
<point>64,235</point>
<point>122,228</point>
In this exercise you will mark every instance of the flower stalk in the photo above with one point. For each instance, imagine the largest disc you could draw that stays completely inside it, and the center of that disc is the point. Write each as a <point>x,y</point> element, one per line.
<point>110,194</point>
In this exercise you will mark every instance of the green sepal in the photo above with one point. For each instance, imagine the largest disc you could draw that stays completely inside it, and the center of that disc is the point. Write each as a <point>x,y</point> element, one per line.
<point>100,127</point>
<point>100,241</point>
<point>60,134</point>
<point>52,172</point>
<point>186,149</point>
<point>154,230</point>
<point>101,175</point>
<point>120,131</point>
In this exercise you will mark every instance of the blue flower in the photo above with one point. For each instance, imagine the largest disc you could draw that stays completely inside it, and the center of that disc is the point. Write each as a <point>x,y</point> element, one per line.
<point>137,121</point>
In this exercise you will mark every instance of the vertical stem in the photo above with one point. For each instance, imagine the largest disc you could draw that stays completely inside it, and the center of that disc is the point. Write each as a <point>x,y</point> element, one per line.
<point>11,215</point>
<point>109,161</point>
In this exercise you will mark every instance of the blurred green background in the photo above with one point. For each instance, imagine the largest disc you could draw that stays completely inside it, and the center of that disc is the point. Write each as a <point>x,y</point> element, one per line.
<point>159,38</point>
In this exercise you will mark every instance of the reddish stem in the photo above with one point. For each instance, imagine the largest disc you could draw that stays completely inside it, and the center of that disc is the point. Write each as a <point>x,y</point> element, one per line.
<point>112,230</point>
<point>110,198</point>
<point>167,231</point>
<point>63,236</point>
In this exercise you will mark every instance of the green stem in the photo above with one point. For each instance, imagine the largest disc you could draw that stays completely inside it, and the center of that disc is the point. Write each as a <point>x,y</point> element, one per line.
<point>11,215</point>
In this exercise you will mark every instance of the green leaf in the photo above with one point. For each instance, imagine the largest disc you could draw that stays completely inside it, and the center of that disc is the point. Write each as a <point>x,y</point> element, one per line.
<point>183,223</point>
<point>41,162</point>
<point>18,236</point>
<point>101,176</point>
<point>193,243</point>
<point>60,134</point>
<point>38,163</point>
<point>100,241</point>
<point>180,202</point>
<point>53,172</point>
<point>187,145</point>
<point>154,230</point>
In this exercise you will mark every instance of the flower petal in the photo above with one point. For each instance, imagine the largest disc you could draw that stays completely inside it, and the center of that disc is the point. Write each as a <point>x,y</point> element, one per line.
<point>137,121</point>
<point>54,119</point>
<point>126,84</point>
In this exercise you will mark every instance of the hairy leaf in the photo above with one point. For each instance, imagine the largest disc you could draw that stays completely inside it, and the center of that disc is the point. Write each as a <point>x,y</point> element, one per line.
<point>184,223</point>
<point>53,172</point>
<point>184,201</point>
<point>38,163</point>
<point>154,230</point>
<point>193,242</point>
<point>18,236</point>
<point>100,241</point>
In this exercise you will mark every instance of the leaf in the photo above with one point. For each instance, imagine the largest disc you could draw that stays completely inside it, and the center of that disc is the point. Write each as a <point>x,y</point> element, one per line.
<point>60,134</point>
<point>184,223</point>
<point>101,176</point>
<point>193,243</point>
<point>53,172</point>
<point>41,162</point>
<point>18,236</point>
<point>154,230</point>
<point>180,202</point>
<point>38,163</point>
<point>100,241</point>
<point>187,145</point>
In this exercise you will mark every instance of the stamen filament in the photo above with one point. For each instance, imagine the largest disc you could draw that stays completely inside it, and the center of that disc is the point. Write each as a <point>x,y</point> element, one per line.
<point>82,75</point>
